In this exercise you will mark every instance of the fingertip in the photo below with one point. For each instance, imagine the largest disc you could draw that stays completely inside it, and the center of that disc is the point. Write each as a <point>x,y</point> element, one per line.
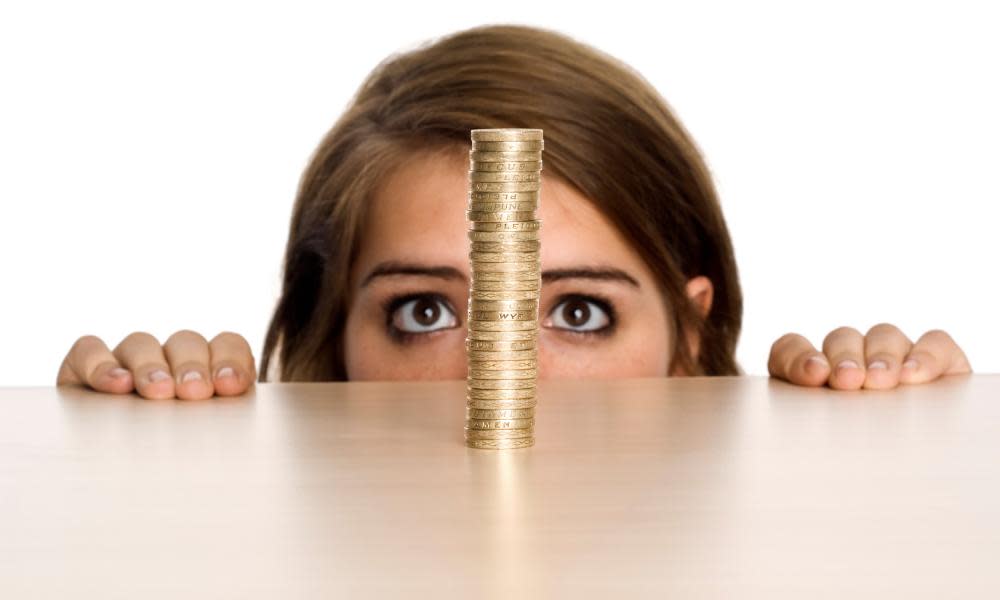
<point>881,373</point>
<point>155,385</point>
<point>193,385</point>
<point>816,368</point>
<point>115,380</point>
<point>110,378</point>
<point>230,381</point>
<point>916,369</point>
<point>848,375</point>
<point>809,371</point>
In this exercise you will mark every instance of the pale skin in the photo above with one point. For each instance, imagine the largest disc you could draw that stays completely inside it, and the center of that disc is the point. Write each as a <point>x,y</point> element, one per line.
<point>601,312</point>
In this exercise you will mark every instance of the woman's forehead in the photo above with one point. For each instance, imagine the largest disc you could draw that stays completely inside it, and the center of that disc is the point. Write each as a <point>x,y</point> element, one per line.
<point>418,214</point>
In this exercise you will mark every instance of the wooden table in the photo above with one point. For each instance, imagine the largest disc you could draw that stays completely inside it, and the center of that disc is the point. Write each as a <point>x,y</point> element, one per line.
<point>729,487</point>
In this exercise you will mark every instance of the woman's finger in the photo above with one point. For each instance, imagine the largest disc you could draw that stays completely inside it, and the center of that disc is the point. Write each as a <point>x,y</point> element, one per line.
<point>844,347</point>
<point>795,360</point>
<point>933,355</point>
<point>90,363</point>
<point>142,354</point>
<point>189,358</point>
<point>232,364</point>
<point>885,347</point>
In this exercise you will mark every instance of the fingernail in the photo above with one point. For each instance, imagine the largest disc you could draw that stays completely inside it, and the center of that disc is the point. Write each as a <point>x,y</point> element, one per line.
<point>225,372</point>
<point>158,375</point>
<point>815,364</point>
<point>117,372</point>
<point>191,376</point>
<point>911,364</point>
<point>878,364</point>
<point>847,364</point>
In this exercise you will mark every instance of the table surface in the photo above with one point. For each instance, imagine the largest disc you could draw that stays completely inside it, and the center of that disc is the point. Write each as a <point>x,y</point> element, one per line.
<point>716,487</point>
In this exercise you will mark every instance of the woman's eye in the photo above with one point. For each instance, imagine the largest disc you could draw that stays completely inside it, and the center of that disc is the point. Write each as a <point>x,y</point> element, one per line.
<point>423,315</point>
<point>579,314</point>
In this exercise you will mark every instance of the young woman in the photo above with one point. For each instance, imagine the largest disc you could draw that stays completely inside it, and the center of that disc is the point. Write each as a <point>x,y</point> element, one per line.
<point>639,277</point>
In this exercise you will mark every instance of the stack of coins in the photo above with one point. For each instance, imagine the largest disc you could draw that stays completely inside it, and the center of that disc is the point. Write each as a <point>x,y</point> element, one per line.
<point>504,185</point>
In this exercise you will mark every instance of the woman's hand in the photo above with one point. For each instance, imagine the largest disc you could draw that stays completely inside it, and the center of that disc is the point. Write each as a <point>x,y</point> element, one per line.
<point>186,366</point>
<point>881,359</point>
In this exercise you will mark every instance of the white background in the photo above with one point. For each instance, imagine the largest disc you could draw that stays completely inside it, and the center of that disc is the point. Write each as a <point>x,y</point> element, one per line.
<point>149,156</point>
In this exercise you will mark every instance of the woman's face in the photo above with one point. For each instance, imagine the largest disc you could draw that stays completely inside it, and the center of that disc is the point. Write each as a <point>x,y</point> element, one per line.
<point>601,314</point>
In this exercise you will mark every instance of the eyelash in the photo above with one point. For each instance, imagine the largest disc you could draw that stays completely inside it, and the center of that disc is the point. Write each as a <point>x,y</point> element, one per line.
<point>392,304</point>
<point>601,302</point>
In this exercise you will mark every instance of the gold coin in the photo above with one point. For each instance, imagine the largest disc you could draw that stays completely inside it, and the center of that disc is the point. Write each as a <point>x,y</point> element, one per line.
<point>486,271</point>
<point>515,200</point>
<point>528,266</point>
<point>502,206</point>
<point>511,404</point>
<point>499,424</point>
<point>485,375</point>
<point>486,157</point>
<point>504,295</point>
<point>499,414</point>
<point>500,398</point>
<point>529,353</point>
<point>527,246</point>
<point>533,284</point>
<point>498,226</point>
<point>512,134</point>
<point>504,316</point>
<point>502,197</point>
<point>501,345</point>
<point>508,167</point>
<point>486,268</point>
<point>492,257</point>
<point>498,281</point>
<point>503,186</point>
<point>504,177</point>
<point>500,216</point>
<point>515,444</point>
<point>503,365</point>
<point>509,146</point>
<point>514,404</point>
<point>522,205</point>
<point>502,384</point>
<point>528,342</point>
<point>505,326</point>
<point>510,335</point>
<point>495,290</point>
<point>505,284</point>
<point>524,335</point>
<point>498,434</point>
<point>504,305</point>
<point>479,356</point>
<point>504,237</point>
<point>502,271</point>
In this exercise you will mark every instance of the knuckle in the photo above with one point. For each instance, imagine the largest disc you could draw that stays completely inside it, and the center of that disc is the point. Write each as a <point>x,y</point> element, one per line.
<point>884,329</point>
<point>230,338</point>
<point>85,343</point>
<point>781,343</point>
<point>840,336</point>
<point>185,334</point>
<point>843,331</point>
<point>139,337</point>
<point>938,336</point>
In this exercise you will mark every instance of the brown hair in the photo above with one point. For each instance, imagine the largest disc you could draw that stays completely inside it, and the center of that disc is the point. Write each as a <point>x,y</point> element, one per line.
<point>607,132</point>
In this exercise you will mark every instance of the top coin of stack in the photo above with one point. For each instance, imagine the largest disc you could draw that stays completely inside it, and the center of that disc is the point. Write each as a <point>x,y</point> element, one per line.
<point>502,347</point>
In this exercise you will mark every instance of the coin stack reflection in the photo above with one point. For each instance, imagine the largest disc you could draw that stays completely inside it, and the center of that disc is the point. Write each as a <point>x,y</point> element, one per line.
<point>502,344</point>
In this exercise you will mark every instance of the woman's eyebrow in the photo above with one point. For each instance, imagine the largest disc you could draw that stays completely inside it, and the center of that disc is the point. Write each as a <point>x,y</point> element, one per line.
<point>392,267</point>
<point>601,273</point>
